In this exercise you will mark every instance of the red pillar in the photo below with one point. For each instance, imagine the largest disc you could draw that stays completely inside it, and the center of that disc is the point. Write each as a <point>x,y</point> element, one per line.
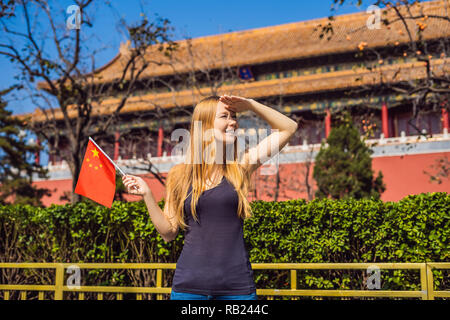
<point>444,118</point>
<point>385,120</point>
<point>37,158</point>
<point>160,141</point>
<point>116,145</point>
<point>327,123</point>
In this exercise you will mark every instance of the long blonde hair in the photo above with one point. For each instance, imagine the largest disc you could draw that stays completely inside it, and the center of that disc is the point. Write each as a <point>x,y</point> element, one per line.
<point>195,170</point>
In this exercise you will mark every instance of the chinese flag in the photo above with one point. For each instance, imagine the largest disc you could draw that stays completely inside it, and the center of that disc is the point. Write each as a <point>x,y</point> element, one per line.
<point>97,179</point>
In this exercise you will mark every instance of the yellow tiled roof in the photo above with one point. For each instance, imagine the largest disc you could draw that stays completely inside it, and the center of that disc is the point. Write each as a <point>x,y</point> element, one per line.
<point>284,42</point>
<point>287,86</point>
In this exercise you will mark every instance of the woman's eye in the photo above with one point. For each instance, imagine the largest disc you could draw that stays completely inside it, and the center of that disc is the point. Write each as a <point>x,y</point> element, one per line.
<point>232,117</point>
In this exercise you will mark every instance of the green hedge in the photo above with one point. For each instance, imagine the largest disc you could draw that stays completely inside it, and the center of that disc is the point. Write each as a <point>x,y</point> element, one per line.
<point>415,229</point>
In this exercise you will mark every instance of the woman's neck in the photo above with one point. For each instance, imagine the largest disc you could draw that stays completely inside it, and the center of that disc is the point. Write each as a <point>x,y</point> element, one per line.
<point>217,173</point>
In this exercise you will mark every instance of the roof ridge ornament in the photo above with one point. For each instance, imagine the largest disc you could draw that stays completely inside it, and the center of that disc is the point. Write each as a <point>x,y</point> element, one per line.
<point>124,47</point>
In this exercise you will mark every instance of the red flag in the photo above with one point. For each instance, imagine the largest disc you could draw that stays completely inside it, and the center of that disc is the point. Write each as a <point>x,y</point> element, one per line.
<point>97,179</point>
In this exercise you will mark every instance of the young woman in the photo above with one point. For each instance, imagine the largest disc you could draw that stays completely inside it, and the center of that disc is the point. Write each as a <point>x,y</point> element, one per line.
<point>207,196</point>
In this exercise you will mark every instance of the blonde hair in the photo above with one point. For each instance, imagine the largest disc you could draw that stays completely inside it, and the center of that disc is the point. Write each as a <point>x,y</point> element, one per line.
<point>195,171</point>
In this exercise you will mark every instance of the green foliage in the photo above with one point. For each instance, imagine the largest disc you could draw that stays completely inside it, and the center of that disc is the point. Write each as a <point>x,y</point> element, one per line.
<point>15,169</point>
<point>415,229</point>
<point>343,169</point>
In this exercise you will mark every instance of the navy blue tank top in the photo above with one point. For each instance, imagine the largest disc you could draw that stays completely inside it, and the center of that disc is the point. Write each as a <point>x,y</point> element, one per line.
<point>214,260</point>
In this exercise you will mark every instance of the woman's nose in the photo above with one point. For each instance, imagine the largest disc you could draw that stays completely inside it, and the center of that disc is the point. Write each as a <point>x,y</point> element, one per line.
<point>232,118</point>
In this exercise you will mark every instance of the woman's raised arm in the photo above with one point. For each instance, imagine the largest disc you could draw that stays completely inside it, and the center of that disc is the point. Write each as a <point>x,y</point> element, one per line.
<point>284,128</point>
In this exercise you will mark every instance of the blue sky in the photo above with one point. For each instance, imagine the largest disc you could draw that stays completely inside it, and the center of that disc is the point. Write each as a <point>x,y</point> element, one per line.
<point>194,18</point>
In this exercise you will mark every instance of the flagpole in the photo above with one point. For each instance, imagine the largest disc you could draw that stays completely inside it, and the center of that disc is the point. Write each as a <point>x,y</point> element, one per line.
<point>107,157</point>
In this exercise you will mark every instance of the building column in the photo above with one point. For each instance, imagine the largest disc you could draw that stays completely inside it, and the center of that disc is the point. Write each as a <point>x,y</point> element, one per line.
<point>445,119</point>
<point>116,145</point>
<point>327,123</point>
<point>385,120</point>
<point>160,140</point>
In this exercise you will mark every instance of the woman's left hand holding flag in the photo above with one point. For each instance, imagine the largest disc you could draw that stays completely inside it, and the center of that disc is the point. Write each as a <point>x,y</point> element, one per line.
<point>136,185</point>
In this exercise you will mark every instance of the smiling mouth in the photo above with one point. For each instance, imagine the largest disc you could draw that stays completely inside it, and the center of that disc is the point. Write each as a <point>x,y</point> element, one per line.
<point>230,132</point>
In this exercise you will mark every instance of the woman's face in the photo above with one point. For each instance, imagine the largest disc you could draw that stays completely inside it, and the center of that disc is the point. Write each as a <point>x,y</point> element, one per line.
<point>225,124</point>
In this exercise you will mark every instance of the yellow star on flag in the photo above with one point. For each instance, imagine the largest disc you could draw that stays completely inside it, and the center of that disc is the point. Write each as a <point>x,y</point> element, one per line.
<point>95,152</point>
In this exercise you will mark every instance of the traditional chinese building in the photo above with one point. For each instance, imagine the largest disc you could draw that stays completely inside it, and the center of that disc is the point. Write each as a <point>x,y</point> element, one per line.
<point>309,78</point>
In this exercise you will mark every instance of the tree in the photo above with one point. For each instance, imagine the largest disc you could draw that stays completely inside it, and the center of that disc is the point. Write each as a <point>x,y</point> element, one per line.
<point>343,167</point>
<point>15,169</point>
<point>72,94</point>
<point>7,8</point>
<point>440,170</point>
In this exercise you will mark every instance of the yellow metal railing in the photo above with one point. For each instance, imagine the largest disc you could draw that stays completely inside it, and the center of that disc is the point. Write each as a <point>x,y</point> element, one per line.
<point>427,291</point>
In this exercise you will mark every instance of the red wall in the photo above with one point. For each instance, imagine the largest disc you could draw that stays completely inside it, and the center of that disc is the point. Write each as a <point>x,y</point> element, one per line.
<point>403,175</point>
